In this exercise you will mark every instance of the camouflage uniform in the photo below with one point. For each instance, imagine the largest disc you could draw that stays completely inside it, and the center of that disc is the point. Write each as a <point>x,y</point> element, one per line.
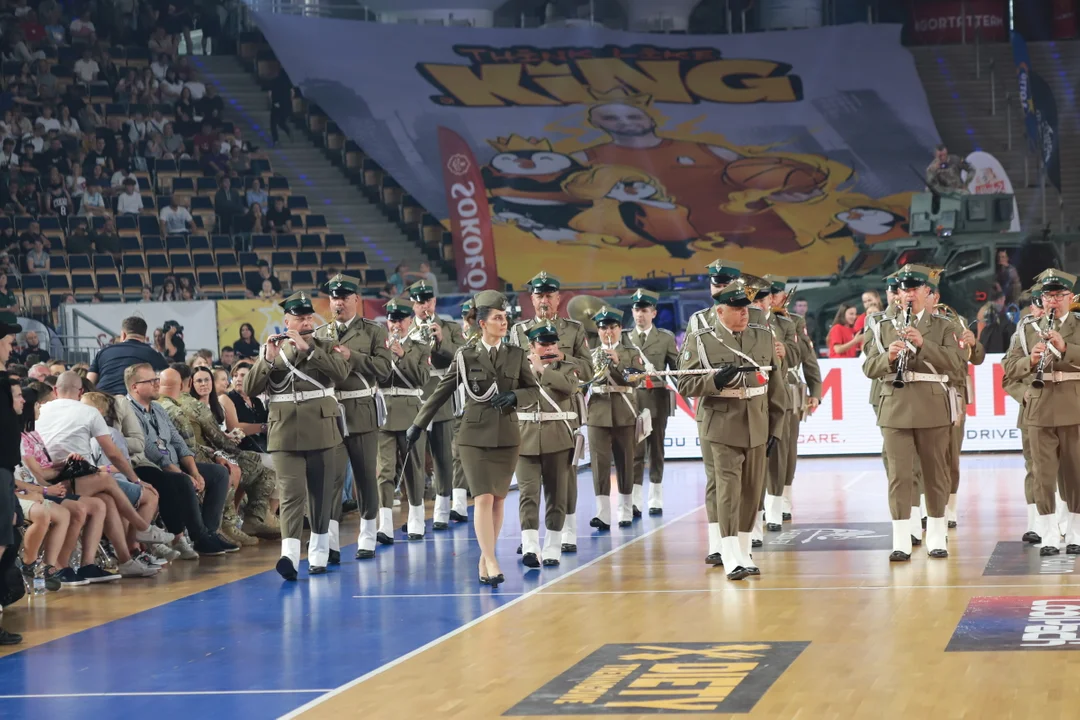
<point>948,179</point>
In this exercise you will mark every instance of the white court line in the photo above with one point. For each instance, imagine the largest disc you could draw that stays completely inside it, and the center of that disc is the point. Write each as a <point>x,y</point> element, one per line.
<point>751,587</point>
<point>430,595</point>
<point>163,693</point>
<point>457,631</point>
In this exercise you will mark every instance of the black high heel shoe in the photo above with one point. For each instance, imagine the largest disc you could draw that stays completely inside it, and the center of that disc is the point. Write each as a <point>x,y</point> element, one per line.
<point>496,581</point>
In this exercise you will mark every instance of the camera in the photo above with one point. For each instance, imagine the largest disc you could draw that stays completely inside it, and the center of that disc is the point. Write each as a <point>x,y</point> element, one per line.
<point>173,324</point>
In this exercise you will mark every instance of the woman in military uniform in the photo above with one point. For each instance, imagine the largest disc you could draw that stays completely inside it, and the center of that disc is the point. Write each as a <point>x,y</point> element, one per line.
<point>547,443</point>
<point>495,378</point>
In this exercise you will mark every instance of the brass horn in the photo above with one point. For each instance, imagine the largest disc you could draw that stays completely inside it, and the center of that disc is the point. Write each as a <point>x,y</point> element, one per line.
<point>951,314</point>
<point>753,285</point>
<point>582,308</point>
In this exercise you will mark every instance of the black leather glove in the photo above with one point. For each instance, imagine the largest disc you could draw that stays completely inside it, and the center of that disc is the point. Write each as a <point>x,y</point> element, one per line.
<point>413,434</point>
<point>770,444</point>
<point>724,376</point>
<point>504,400</point>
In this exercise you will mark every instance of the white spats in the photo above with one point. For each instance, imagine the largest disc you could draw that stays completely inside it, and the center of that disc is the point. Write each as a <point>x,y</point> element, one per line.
<point>936,534</point>
<point>441,513</point>
<point>290,548</point>
<point>366,539</point>
<point>335,537</point>
<point>415,524</point>
<point>901,535</point>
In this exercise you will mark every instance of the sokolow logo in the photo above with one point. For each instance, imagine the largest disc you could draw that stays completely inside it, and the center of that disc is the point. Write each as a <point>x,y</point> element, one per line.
<point>1018,623</point>
<point>458,164</point>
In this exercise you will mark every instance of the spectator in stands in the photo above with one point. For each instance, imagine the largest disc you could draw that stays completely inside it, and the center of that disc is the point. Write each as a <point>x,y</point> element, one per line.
<point>197,89</point>
<point>871,301</point>
<point>388,292</point>
<point>8,300</point>
<point>1008,278</point>
<point>161,63</point>
<point>32,352</point>
<point>173,143</point>
<point>267,292</point>
<point>226,358</point>
<point>55,32</point>
<point>37,260</point>
<point>107,368</point>
<point>163,47</point>
<point>188,290</point>
<point>78,242</point>
<point>93,202</point>
<point>121,157</point>
<point>427,276</point>
<point>255,222</point>
<point>8,157</point>
<point>401,272</point>
<point>83,30</point>
<point>842,340</point>
<point>86,68</point>
<point>99,155</point>
<point>106,239</point>
<point>256,194</point>
<point>279,216</point>
<point>155,147</point>
<point>247,413</point>
<point>211,106</point>
<point>168,292</point>
<point>255,284</point>
<point>147,294</point>
<point>39,372</point>
<point>175,218</point>
<point>993,326</point>
<point>130,201</point>
<point>171,87</point>
<point>228,203</point>
<point>247,345</point>
<point>184,112</point>
<point>166,450</point>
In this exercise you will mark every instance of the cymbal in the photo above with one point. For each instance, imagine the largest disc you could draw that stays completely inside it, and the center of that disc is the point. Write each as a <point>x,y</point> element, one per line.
<point>582,308</point>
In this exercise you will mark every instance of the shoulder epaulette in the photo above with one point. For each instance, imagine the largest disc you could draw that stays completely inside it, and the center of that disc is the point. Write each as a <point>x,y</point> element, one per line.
<point>783,318</point>
<point>666,331</point>
<point>1076,315</point>
<point>701,330</point>
<point>756,326</point>
<point>572,321</point>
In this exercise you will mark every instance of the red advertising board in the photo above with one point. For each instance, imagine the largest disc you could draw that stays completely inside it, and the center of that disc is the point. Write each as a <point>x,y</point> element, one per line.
<point>470,218</point>
<point>942,22</point>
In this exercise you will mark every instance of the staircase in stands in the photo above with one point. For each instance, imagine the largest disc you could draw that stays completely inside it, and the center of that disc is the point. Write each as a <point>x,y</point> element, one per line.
<point>348,211</point>
<point>961,105</point>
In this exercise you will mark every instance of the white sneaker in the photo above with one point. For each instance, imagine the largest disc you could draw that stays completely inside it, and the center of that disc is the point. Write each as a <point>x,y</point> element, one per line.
<point>164,552</point>
<point>150,561</point>
<point>153,534</point>
<point>135,568</point>
<point>182,545</point>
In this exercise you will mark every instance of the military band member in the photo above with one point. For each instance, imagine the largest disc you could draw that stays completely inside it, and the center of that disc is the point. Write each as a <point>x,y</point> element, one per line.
<point>546,298</point>
<point>362,344</point>
<point>805,389</point>
<point>657,352</point>
<point>612,420</point>
<point>445,339</point>
<point>459,506</point>
<point>787,350</point>
<point>496,378</point>
<point>299,373</point>
<point>1047,355</point>
<point>402,390</point>
<point>739,412</point>
<point>547,443</point>
<point>914,355</point>
<point>973,353</point>
<point>1018,391</point>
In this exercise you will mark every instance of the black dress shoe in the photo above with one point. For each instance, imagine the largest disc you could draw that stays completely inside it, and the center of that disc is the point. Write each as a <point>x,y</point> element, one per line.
<point>285,568</point>
<point>625,523</point>
<point>636,513</point>
<point>458,517</point>
<point>786,517</point>
<point>714,559</point>
<point>530,560</point>
<point>496,580</point>
<point>951,524</point>
<point>384,539</point>
<point>485,580</point>
<point>1072,549</point>
<point>569,547</point>
<point>656,511</point>
<point>939,553</point>
<point>899,556</point>
<point>756,543</point>
<point>551,562</point>
<point>738,573</point>
<point>924,523</point>
<point>9,638</point>
<point>1047,550</point>
<point>1031,537</point>
<point>519,549</point>
<point>599,524</point>
<point>916,541</point>
<point>334,558</point>
<point>413,537</point>
<point>439,526</point>
<point>774,527</point>
<point>753,570</point>
<point>365,554</point>
<point>316,570</point>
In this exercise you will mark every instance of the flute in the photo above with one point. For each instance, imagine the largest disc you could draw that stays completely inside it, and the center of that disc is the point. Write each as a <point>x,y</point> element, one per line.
<point>285,336</point>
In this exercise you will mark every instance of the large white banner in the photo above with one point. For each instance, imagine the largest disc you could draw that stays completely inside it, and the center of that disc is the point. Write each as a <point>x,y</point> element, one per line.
<point>101,321</point>
<point>845,423</point>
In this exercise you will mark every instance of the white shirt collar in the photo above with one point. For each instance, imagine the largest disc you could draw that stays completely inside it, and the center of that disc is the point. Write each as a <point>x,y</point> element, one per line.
<point>644,332</point>
<point>350,322</point>
<point>489,348</point>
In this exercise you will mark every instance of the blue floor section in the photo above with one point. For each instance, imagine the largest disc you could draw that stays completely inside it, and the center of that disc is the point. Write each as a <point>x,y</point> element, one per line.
<point>261,636</point>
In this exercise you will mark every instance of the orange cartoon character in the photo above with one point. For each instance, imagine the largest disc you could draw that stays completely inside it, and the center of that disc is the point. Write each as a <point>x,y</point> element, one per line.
<point>525,183</point>
<point>633,207</point>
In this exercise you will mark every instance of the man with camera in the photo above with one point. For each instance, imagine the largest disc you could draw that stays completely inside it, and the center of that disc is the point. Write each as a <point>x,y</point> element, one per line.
<point>107,369</point>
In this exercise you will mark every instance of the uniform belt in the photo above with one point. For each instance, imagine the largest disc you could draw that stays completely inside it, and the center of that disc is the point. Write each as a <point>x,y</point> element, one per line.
<point>407,392</point>
<point>925,377</point>
<point>743,393</point>
<point>437,372</point>
<point>546,416</point>
<point>606,389</point>
<point>353,394</point>
<point>1061,376</point>
<point>302,396</point>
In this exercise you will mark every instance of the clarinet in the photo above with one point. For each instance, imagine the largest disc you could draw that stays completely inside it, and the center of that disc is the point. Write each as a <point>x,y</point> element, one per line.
<point>902,359</point>
<point>1038,382</point>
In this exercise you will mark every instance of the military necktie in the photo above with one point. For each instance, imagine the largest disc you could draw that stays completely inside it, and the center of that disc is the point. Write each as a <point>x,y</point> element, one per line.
<point>341,327</point>
<point>493,353</point>
<point>640,339</point>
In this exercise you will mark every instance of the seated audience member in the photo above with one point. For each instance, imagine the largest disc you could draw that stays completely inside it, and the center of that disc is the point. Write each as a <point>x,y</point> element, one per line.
<point>227,357</point>
<point>165,447</point>
<point>842,341</point>
<point>255,284</point>
<point>107,368</point>
<point>228,205</point>
<point>279,216</point>
<point>39,372</point>
<point>176,219</point>
<point>86,514</point>
<point>130,201</point>
<point>256,194</point>
<point>32,351</point>
<point>247,345</point>
<point>67,427</point>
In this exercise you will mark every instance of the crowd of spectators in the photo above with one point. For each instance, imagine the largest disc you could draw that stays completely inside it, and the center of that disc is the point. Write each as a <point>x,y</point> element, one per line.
<point>115,469</point>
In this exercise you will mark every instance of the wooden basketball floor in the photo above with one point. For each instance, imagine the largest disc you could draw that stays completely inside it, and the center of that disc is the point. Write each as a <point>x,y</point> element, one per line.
<point>634,625</point>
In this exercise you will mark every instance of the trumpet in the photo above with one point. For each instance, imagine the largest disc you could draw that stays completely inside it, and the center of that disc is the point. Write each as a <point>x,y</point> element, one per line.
<point>902,359</point>
<point>395,337</point>
<point>421,332</point>
<point>544,312</point>
<point>1038,382</point>
<point>285,336</point>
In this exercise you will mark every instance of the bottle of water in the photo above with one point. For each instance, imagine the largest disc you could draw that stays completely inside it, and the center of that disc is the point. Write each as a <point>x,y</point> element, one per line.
<point>39,579</point>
